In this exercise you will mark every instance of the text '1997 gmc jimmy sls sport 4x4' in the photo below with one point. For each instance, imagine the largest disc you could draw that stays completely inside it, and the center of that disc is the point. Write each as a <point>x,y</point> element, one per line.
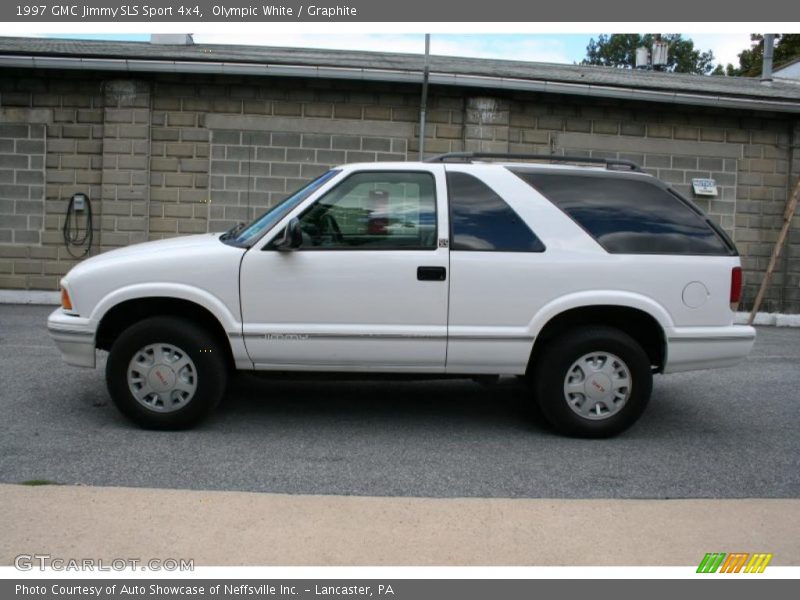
<point>586,276</point>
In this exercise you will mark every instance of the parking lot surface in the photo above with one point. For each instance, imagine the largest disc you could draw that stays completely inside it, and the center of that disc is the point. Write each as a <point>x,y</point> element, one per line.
<point>730,433</point>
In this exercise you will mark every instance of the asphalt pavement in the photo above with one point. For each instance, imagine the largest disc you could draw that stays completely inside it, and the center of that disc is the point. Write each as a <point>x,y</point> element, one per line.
<point>729,433</point>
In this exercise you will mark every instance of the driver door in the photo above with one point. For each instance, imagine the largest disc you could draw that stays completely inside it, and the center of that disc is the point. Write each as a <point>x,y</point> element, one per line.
<point>367,290</point>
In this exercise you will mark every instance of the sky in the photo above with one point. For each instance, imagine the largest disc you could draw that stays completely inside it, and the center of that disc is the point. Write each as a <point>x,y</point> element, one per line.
<point>557,48</point>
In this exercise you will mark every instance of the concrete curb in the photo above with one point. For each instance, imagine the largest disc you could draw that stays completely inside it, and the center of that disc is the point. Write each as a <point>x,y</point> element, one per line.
<point>774,319</point>
<point>29,297</point>
<point>244,528</point>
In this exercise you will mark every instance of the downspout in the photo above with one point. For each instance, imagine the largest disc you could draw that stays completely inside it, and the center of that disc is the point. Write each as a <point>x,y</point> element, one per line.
<point>103,140</point>
<point>150,104</point>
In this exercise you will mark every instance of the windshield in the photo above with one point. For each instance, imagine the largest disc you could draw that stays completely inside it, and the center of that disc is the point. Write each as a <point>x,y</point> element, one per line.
<point>248,234</point>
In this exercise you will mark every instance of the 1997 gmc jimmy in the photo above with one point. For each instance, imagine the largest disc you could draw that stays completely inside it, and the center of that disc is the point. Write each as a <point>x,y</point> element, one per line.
<point>586,276</point>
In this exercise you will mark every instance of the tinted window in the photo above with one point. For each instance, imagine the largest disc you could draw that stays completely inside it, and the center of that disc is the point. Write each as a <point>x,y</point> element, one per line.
<point>481,220</point>
<point>627,216</point>
<point>374,211</point>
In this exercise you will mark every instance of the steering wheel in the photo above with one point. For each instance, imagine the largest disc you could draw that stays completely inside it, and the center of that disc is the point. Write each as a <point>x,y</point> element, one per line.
<point>328,225</point>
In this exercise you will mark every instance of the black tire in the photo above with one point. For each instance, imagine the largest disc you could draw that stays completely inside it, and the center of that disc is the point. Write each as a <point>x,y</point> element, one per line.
<point>552,366</point>
<point>200,346</point>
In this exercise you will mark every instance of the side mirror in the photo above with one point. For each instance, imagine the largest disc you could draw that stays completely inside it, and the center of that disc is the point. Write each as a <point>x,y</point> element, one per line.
<point>292,237</point>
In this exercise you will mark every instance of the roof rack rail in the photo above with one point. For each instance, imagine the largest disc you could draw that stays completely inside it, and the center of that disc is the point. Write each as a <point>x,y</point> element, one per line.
<point>610,163</point>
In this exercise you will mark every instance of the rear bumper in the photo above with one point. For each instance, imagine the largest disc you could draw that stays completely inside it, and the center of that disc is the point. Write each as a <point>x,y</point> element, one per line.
<point>74,338</point>
<point>692,348</point>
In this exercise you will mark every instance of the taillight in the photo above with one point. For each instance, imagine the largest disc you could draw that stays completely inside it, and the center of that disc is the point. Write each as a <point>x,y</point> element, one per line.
<point>736,287</point>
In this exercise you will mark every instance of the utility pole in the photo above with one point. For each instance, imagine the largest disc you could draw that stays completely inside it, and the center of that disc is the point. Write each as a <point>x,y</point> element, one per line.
<point>424,102</point>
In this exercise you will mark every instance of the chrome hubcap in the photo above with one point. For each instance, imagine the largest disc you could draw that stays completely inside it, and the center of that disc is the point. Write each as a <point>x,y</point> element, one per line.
<point>597,385</point>
<point>162,377</point>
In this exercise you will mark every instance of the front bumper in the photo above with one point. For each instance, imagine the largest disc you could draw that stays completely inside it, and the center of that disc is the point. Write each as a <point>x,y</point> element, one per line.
<point>74,337</point>
<point>693,348</point>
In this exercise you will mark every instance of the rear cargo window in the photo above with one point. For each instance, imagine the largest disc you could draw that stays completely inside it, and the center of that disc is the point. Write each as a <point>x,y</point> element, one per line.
<point>627,216</point>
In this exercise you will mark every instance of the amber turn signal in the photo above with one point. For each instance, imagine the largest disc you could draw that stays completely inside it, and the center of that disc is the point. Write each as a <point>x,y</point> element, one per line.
<point>66,303</point>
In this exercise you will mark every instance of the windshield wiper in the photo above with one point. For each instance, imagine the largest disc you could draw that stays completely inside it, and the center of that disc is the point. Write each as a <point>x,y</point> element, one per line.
<point>232,231</point>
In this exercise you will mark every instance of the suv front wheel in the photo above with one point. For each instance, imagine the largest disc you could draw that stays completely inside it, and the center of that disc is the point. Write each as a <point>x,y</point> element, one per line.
<point>592,382</point>
<point>166,373</point>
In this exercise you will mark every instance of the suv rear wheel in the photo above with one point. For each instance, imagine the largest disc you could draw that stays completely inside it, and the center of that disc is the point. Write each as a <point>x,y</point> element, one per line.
<point>593,382</point>
<point>166,373</point>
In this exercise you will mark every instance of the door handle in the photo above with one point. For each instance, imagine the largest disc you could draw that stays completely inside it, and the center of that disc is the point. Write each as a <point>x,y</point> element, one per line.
<point>431,273</point>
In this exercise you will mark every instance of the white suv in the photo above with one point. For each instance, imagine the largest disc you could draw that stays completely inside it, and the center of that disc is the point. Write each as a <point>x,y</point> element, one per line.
<point>585,276</point>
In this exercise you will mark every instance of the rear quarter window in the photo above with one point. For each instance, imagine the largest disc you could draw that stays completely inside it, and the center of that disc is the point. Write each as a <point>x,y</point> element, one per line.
<point>480,220</point>
<point>628,216</point>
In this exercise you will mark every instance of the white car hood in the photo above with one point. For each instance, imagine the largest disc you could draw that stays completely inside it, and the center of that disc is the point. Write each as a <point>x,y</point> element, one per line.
<point>172,245</point>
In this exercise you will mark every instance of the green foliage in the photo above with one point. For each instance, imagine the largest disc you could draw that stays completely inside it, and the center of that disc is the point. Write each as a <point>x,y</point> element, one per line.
<point>787,48</point>
<point>619,50</point>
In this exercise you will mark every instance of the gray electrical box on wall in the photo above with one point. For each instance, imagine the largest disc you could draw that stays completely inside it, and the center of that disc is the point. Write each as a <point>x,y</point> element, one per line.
<point>79,202</point>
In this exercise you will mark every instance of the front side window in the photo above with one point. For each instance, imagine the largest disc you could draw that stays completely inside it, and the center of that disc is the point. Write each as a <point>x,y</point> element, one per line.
<point>374,210</point>
<point>629,216</point>
<point>481,220</point>
<point>246,235</point>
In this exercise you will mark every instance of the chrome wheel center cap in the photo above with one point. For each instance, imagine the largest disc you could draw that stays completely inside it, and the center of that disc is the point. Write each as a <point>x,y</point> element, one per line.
<point>598,386</point>
<point>161,378</point>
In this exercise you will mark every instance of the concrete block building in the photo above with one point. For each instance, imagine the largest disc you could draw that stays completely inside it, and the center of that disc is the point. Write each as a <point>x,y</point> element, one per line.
<point>169,140</point>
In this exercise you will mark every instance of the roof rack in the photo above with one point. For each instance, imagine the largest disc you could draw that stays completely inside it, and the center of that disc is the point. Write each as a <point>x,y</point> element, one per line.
<point>610,163</point>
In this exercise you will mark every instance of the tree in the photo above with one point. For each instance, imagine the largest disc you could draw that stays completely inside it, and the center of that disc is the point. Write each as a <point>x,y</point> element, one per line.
<point>619,50</point>
<point>787,48</point>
